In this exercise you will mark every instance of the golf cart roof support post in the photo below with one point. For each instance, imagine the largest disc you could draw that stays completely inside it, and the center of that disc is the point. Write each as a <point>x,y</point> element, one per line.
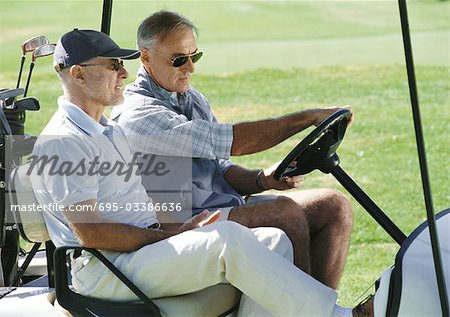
<point>2,193</point>
<point>106,16</point>
<point>422,157</point>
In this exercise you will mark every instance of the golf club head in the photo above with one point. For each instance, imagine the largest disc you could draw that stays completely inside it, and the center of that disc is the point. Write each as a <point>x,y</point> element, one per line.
<point>43,50</point>
<point>6,93</point>
<point>31,44</point>
<point>7,96</point>
<point>27,103</point>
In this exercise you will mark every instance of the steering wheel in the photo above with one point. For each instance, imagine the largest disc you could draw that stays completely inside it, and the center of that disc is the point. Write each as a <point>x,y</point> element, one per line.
<point>318,149</point>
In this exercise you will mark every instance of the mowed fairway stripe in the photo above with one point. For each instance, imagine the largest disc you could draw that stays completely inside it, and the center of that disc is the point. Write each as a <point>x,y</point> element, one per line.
<point>430,48</point>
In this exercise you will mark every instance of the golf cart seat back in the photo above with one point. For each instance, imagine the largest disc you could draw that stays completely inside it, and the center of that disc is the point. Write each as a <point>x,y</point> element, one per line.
<point>217,300</point>
<point>29,220</point>
<point>409,288</point>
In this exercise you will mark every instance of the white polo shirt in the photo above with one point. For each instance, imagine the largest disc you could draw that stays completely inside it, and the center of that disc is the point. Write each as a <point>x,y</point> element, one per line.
<point>76,159</point>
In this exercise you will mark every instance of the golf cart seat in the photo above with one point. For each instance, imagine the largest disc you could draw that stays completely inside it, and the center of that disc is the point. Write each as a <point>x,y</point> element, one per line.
<point>218,300</point>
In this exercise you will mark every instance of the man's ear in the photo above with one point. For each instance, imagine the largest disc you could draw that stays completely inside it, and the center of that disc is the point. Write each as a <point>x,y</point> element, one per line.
<point>77,74</point>
<point>147,60</point>
<point>146,57</point>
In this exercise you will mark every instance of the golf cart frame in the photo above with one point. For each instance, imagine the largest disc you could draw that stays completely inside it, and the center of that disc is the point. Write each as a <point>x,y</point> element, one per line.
<point>342,177</point>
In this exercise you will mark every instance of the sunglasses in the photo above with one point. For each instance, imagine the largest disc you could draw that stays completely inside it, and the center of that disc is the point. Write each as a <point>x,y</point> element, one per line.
<point>182,59</point>
<point>115,64</point>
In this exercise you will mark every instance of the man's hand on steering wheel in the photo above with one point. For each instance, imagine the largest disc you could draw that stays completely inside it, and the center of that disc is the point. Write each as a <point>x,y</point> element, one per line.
<point>315,151</point>
<point>322,113</point>
<point>285,183</point>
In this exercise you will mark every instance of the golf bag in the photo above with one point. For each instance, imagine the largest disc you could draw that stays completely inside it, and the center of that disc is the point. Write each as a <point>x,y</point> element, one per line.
<point>9,244</point>
<point>409,288</point>
<point>12,127</point>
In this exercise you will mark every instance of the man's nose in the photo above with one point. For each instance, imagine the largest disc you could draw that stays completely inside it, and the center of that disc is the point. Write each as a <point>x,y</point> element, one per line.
<point>189,66</point>
<point>123,73</point>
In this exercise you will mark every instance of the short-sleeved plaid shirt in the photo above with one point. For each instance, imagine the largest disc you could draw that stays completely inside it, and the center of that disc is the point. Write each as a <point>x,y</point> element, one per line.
<point>162,122</point>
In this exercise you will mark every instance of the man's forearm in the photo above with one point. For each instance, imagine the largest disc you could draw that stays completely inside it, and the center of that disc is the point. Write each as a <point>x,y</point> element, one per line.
<point>257,136</point>
<point>117,237</point>
<point>92,231</point>
<point>242,180</point>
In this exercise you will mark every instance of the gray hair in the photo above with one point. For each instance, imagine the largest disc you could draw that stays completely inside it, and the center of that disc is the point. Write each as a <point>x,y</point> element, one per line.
<point>159,25</point>
<point>63,75</point>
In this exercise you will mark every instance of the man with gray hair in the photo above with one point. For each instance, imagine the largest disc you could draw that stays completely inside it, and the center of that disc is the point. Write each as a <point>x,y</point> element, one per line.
<point>111,211</point>
<point>162,110</point>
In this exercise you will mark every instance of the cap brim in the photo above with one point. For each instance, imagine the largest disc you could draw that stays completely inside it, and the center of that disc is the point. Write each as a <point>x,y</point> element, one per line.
<point>122,53</point>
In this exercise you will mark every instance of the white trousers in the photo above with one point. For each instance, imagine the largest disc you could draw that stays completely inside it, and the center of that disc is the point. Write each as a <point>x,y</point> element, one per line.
<point>196,259</point>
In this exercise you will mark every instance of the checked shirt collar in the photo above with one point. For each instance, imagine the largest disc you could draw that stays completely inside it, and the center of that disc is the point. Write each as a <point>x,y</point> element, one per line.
<point>181,103</point>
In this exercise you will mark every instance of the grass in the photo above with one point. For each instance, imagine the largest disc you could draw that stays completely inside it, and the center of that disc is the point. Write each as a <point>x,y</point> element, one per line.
<point>268,58</point>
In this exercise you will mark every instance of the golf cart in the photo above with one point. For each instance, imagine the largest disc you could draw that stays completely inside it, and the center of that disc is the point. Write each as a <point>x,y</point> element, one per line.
<point>319,148</point>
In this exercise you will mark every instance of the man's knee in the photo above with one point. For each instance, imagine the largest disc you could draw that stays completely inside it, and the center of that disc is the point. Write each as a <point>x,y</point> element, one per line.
<point>282,244</point>
<point>236,235</point>
<point>276,240</point>
<point>230,230</point>
<point>341,209</point>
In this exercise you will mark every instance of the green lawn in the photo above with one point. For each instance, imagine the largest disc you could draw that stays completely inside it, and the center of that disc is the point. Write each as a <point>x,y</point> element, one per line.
<point>267,58</point>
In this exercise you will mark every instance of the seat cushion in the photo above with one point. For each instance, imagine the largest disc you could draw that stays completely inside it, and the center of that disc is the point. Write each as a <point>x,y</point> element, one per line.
<point>211,301</point>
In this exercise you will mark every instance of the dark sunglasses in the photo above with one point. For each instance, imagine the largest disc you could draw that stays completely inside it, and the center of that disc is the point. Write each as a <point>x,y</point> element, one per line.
<point>115,64</point>
<point>182,59</point>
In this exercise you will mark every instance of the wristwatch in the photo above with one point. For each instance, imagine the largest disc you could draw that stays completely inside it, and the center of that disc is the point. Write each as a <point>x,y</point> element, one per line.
<point>258,180</point>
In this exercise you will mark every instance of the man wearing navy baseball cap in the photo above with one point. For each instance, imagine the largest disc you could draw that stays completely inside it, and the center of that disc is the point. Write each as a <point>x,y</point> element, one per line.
<point>90,66</point>
<point>78,46</point>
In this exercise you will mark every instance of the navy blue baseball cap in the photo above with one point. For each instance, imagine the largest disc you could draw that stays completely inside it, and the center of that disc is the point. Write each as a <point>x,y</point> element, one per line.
<point>79,46</point>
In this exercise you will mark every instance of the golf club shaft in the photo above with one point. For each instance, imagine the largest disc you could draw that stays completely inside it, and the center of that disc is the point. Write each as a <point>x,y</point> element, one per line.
<point>28,79</point>
<point>20,71</point>
<point>368,204</point>
<point>434,238</point>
